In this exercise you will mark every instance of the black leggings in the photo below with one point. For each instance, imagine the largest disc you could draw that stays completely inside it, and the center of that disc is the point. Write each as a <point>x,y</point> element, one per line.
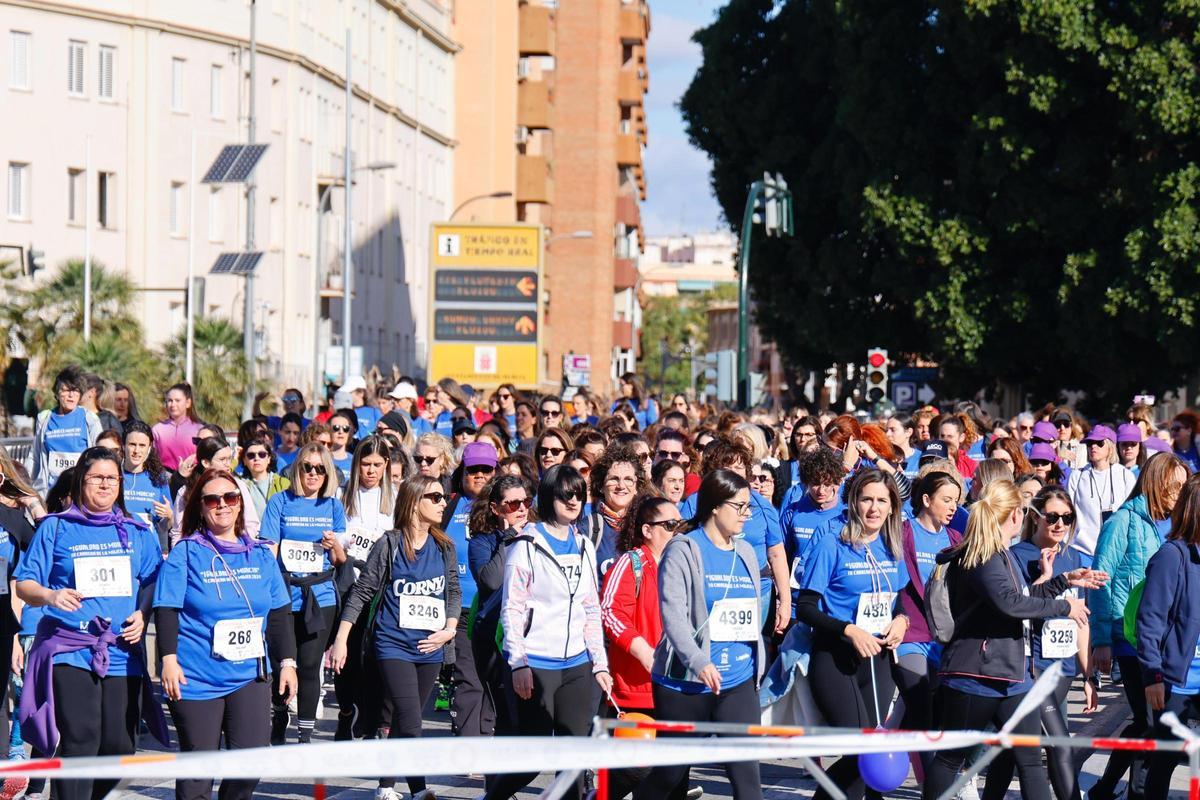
<point>916,677</point>
<point>1120,761</point>
<point>348,682</point>
<point>96,717</point>
<point>471,710</point>
<point>1160,766</point>
<point>494,676</point>
<point>562,704</point>
<point>739,704</point>
<point>968,712</point>
<point>310,650</point>
<point>1063,776</point>
<point>409,686</point>
<point>242,716</point>
<point>841,688</point>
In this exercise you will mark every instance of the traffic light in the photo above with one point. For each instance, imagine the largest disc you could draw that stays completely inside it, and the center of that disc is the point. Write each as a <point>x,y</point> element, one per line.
<point>877,374</point>
<point>34,260</point>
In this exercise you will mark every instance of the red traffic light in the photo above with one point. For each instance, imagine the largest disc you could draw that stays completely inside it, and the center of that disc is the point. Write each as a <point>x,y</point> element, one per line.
<point>877,359</point>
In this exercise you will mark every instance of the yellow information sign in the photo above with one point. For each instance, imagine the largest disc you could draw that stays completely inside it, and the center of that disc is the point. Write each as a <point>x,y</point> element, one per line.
<point>485,316</point>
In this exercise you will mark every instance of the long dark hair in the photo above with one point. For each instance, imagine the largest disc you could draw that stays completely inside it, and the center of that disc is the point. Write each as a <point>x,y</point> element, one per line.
<point>133,409</point>
<point>560,482</point>
<point>482,519</point>
<point>717,487</point>
<point>186,389</point>
<point>192,520</point>
<point>206,451</point>
<point>153,465</point>
<point>642,512</point>
<point>407,498</point>
<point>373,445</point>
<point>91,456</point>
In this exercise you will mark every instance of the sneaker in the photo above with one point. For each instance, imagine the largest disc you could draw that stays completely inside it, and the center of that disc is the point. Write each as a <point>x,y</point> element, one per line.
<point>442,703</point>
<point>280,720</point>
<point>425,794</point>
<point>695,793</point>
<point>293,707</point>
<point>970,791</point>
<point>387,794</point>
<point>16,752</point>
<point>13,787</point>
<point>304,737</point>
<point>345,724</point>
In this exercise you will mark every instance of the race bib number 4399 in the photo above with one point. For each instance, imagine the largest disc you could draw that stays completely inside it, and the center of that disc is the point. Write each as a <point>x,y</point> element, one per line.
<point>301,556</point>
<point>104,576</point>
<point>734,620</point>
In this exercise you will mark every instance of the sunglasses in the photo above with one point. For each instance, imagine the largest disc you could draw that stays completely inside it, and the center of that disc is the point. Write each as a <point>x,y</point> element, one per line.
<point>760,478</point>
<point>669,455</point>
<point>212,501</point>
<point>1054,519</point>
<point>291,398</point>
<point>196,440</point>
<point>645,457</point>
<point>551,451</point>
<point>512,506</point>
<point>566,498</point>
<point>340,428</point>
<point>1095,442</point>
<point>1062,423</point>
<point>437,498</point>
<point>1025,427</point>
<point>670,525</point>
<point>257,454</point>
<point>1038,462</point>
<point>426,460</point>
<point>504,395</point>
<point>584,470</point>
<point>310,469</point>
<point>550,412</point>
<point>480,469</point>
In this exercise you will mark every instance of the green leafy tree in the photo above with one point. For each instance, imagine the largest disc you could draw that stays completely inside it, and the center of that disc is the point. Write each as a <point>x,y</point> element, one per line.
<point>673,323</point>
<point>1008,188</point>
<point>219,369</point>
<point>117,356</point>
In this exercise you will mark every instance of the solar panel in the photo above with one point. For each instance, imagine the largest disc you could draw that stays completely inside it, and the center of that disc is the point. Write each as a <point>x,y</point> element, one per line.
<point>225,160</point>
<point>248,262</point>
<point>247,160</point>
<point>225,263</point>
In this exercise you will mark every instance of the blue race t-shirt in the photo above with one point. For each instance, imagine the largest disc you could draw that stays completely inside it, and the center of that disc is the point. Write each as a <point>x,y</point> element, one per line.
<point>444,425</point>
<point>141,494</point>
<point>606,547</point>
<point>457,531</point>
<point>1028,557</point>
<point>284,460</point>
<point>842,572</point>
<point>912,465</point>
<point>65,440</point>
<point>570,561</point>
<point>1191,685</point>
<point>91,559</point>
<point>344,463</point>
<point>367,417</point>
<point>414,605</point>
<point>800,521</point>
<point>1163,528</point>
<point>209,589</point>
<point>762,530</point>
<point>928,545</point>
<point>292,521</point>
<point>1190,457</point>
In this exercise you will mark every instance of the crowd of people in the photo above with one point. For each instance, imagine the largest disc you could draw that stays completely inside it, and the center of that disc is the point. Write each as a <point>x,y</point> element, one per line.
<point>533,561</point>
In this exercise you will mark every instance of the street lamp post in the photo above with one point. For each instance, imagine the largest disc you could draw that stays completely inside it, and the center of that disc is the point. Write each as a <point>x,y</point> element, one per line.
<point>469,200</point>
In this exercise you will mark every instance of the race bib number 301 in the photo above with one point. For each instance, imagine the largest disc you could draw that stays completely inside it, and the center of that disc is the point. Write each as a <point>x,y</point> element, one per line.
<point>238,639</point>
<point>301,556</point>
<point>104,576</point>
<point>875,612</point>
<point>734,620</point>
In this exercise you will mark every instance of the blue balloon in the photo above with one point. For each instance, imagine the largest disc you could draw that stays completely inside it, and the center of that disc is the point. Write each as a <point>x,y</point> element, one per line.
<point>883,772</point>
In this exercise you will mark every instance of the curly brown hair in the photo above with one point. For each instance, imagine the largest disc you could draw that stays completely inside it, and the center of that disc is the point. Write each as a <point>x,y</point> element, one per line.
<point>612,456</point>
<point>643,510</point>
<point>722,453</point>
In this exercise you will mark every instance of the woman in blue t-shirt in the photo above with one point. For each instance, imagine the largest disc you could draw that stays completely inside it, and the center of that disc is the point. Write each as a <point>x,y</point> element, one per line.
<point>413,571</point>
<point>147,483</point>
<point>344,425</point>
<point>1045,552</point>
<point>305,522</point>
<point>848,596</point>
<point>220,607</point>
<point>92,568</point>
<point>708,662</point>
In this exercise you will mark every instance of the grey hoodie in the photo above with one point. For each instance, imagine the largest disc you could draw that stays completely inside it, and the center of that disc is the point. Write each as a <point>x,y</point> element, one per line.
<point>684,648</point>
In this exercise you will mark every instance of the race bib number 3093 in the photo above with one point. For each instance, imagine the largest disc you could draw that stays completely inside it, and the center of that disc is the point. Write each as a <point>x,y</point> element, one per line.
<point>301,556</point>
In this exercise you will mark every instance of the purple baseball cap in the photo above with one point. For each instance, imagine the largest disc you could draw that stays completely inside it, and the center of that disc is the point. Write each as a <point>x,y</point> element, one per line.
<point>1156,445</point>
<point>1043,452</point>
<point>1129,433</point>
<point>1045,430</point>
<point>1101,433</point>
<point>479,454</point>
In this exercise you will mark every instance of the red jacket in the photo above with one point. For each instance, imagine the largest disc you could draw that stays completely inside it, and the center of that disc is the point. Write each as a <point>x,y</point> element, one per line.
<point>966,465</point>
<point>626,615</point>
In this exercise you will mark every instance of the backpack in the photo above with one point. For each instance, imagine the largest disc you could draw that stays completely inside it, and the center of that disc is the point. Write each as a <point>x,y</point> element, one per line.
<point>1129,618</point>
<point>937,605</point>
<point>635,561</point>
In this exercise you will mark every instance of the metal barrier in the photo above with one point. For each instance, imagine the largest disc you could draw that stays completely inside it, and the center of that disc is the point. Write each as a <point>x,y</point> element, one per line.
<point>18,447</point>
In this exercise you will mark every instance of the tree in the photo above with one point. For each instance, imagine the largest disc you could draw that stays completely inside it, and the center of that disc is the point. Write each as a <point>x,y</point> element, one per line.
<point>118,357</point>
<point>219,369</point>
<point>1007,188</point>
<point>675,323</point>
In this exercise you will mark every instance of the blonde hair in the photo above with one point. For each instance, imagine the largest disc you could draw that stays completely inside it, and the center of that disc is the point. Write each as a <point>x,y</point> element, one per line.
<point>991,469</point>
<point>330,487</point>
<point>752,436</point>
<point>854,532</point>
<point>984,536</point>
<point>444,447</point>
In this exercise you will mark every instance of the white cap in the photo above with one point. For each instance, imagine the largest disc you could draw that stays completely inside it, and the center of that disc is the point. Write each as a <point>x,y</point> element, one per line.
<point>342,399</point>
<point>354,383</point>
<point>404,391</point>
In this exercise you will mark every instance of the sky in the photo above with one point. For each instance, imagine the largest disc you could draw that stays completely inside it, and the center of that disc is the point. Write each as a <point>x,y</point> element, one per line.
<point>679,199</point>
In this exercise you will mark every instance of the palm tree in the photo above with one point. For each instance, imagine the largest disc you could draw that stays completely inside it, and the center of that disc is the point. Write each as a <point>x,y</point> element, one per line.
<point>117,356</point>
<point>219,371</point>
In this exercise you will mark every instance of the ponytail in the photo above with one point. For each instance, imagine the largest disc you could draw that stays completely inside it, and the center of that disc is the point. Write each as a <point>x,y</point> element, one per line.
<point>984,537</point>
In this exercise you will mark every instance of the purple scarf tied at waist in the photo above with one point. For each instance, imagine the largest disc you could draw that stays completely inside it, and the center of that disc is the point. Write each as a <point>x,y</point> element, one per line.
<point>38,723</point>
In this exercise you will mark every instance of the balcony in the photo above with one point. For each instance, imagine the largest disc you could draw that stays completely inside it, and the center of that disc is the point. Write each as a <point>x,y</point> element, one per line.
<point>630,86</point>
<point>534,184</point>
<point>622,334</point>
<point>628,212</point>
<point>634,25</point>
<point>533,104</point>
<point>629,150</point>
<point>624,274</point>
<point>536,30</point>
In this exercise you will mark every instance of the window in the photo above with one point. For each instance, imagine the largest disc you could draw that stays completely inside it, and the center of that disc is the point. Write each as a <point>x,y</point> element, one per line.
<point>177,84</point>
<point>108,65</point>
<point>18,60</point>
<point>215,76</point>
<point>175,212</point>
<point>215,227</point>
<point>75,194</point>
<point>18,190</point>
<point>75,53</point>
<point>106,199</point>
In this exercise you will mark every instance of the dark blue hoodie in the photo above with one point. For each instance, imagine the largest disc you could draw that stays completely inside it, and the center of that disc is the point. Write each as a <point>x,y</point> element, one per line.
<point>1168,618</point>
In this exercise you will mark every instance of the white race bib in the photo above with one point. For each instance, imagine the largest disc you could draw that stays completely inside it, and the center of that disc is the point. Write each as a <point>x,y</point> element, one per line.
<point>104,576</point>
<point>61,462</point>
<point>361,541</point>
<point>422,613</point>
<point>238,639</point>
<point>572,569</point>
<point>734,620</point>
<point>875,612</point>
<point>300,556</point>
<point>1060,638</point>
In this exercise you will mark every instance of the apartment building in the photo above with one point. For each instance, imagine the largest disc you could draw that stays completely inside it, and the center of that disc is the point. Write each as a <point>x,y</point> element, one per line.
<point>550,114</point>
<point>141,85</point>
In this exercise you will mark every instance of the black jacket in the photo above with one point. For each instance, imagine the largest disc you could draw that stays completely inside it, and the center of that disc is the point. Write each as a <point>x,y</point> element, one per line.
<point>989,604</point>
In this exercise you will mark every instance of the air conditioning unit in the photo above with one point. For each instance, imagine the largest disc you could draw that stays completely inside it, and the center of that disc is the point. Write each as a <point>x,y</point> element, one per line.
<point>522,68</point>
<point>522,134</point>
